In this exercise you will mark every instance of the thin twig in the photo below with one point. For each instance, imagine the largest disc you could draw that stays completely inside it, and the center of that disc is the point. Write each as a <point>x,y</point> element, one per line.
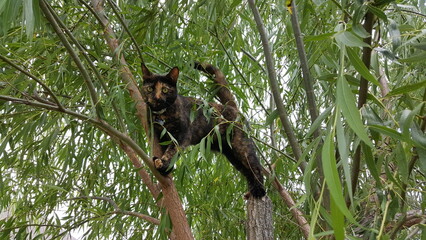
<point>89,62</point>
<point>118,210</point>
<point>45,87</point>
<point>73,54</point>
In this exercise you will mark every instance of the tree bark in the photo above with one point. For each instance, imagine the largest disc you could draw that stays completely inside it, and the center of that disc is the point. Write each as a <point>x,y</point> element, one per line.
<point>259,219</point>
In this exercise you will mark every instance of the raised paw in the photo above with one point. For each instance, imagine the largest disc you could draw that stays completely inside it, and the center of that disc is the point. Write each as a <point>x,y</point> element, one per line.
<point>162,166</point>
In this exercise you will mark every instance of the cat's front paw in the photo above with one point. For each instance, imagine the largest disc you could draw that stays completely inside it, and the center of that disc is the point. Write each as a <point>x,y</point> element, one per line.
<point>162,166</point>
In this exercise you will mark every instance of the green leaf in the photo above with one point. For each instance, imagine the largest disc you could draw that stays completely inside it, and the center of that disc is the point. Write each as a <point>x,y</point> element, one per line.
<point>337,221</point>
<point>332,176</point>
<point>378,12</point>
<point>360,66</point>
<point>394,34</point>
<point>271,117</point>
<point>407,88</point>
<point>29,18</point>
<point>346,101</point>
<point>419,137</point>
<point>56,188</point>
<point>369,160</point>
<point>318,121</point>
<point>342,147</point>
<point>415,58</point>
<point>320,37</point>
<point>389,132</point>
<point>218,136</point>
<point>406,120</point>
<point>349,39</point>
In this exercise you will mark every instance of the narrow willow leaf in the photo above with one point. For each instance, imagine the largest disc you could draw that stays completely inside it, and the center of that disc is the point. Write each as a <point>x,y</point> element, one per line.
<point>419,137</point>
<point>342,146</point>
<point>402,161</point>
<point>378,12</point>
<point>389,132</point>
<point>29,18</point>
<point>360,31</point>
<point>387,53</point>
<point>229,131</point>
<point>421,45</point>
<point>318,121</point>
<point>415,58</point>
<point>349,39</point>
<point>346,101</point>
<point>203,147</point>
<point>337,221</point>
<point>422,160</point>
<point>369,160</point>
<point>320,37</point>
<point>332,176</point>
<point>395,34</point>
<point>219,137</point>
<point>360,66</point>
<point>407,88</point>
<point>56,188</point>
<point>271,117</point>
<point>406,120</point>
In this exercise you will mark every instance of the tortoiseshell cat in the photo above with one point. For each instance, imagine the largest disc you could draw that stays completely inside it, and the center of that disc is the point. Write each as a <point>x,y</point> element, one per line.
<point>173,112</point>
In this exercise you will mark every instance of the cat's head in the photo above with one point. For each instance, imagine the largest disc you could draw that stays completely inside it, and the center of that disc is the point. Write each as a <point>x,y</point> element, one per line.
<point>159,91</point>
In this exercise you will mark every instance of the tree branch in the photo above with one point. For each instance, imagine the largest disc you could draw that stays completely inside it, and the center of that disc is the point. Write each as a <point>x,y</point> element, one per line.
<point>73,54</point>
<point>363,92</point>
<point>275,87</point>
<point>118,210</point>
<point>45,87</point>
<point>88,61</point>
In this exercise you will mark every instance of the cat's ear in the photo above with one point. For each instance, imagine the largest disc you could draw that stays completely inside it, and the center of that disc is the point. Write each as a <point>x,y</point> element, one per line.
<point>145,71</point>
<point>174,74</point>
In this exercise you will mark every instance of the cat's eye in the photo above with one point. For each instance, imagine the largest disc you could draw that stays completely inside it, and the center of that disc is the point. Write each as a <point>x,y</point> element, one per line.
<point>149,89</point>
<point>165,90</point>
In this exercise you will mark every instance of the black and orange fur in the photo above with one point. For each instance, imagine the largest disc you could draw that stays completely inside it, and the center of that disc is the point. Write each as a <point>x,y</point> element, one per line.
<point>172,112</point>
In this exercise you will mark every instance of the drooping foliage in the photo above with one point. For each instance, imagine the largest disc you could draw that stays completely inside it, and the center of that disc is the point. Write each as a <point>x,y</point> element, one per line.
<point>62,173</point>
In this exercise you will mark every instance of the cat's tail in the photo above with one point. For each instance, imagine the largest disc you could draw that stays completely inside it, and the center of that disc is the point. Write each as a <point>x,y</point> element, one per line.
<point>223,92</point>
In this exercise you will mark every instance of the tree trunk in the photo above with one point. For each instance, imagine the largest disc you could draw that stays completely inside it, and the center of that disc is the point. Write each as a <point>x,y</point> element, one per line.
<point>259,219</point>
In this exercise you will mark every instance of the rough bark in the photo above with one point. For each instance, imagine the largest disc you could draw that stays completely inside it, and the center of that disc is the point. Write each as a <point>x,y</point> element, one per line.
<point>171,200</point>
<point>259,219</point>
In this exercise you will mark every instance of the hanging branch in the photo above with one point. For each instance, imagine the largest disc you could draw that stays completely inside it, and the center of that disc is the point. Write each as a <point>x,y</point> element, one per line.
<point>118,210</point>
<point>92,66</point>
<point>74,56</point>
<point>45,87</point>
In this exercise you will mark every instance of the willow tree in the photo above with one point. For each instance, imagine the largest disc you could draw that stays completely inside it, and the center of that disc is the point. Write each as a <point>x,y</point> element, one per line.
<point>333,92</point>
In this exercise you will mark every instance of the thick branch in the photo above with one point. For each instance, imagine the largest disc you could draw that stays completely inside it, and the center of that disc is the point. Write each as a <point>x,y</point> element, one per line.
<point>307,79</point>
<point>363,92</point>
<point>172,203</point>
<point>297,214</point>
<point>275,87</point>
<point>126,74</point>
